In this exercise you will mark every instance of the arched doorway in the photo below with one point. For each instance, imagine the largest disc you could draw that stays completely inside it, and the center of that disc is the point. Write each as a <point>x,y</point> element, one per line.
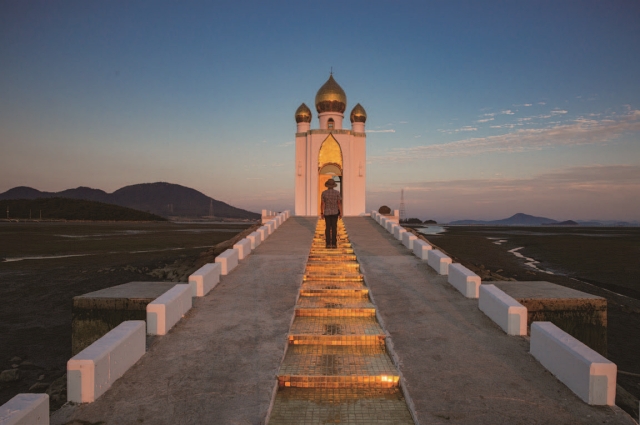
<point>329,165</point>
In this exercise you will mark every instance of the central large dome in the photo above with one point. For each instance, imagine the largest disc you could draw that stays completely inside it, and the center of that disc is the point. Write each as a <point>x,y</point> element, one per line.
<point>331,97</point>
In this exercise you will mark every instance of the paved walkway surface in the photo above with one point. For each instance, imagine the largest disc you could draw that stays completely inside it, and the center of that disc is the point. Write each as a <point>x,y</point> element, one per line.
<point>458,366</point>
<point>218,365</point>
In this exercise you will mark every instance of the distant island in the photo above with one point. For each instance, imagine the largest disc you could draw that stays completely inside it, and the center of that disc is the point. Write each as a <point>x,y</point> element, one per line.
<point>71,209</point>
<point>162,199</point>
<point>521,219</point>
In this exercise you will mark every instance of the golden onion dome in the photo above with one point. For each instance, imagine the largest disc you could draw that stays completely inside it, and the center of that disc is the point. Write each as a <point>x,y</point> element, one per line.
<point>331,97</point>
<point>358,114</point>
<point>303,114</point>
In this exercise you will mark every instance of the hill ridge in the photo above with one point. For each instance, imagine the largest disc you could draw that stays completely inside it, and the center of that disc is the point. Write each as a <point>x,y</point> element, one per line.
<point>160,198</point>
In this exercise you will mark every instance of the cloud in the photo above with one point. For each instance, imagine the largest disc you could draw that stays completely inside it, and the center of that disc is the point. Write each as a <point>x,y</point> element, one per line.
<point>578,132</point>
<point>584,192</point>
<point>558,112</point>
<point>528,104</point>
<point>381,131</point>
<point>489,115</point>
<point>403,122</point>
<point>507,112</point>
<point>485,120</point>
<point>285,144</point>
<point>542,103</point>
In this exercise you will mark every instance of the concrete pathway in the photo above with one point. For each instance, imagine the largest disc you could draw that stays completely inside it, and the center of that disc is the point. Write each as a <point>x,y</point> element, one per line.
<point>458,366</point>
<point>218,365</point>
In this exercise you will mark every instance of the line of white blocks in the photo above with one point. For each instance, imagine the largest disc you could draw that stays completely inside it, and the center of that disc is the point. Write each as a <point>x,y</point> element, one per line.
<point>92,371</point>
<point>25,409</point>
<point>587,373</point>
<point>167,310</point>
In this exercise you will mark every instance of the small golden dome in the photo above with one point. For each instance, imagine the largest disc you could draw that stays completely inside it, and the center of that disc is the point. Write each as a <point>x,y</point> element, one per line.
<point>358,114</point>
<point>303,114</point>
<point>331,97</point>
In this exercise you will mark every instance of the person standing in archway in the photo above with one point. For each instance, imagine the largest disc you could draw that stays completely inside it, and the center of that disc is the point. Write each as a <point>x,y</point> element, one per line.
<point>331,211</point>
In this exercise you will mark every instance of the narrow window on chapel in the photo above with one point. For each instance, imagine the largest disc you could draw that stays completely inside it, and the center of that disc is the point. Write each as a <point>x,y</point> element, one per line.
<point>330,123</point>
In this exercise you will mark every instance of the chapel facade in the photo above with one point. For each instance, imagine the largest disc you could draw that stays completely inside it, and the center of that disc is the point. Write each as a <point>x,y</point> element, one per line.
<point>330,151</point>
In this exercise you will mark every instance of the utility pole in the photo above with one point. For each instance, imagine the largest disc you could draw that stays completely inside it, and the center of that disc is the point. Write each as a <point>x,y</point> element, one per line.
<point>403,214</point>
<point>210,207</point>
<point>7,212</point>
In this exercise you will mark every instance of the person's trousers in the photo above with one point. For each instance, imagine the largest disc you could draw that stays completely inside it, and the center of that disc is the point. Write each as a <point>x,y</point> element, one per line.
<point>331,230</point>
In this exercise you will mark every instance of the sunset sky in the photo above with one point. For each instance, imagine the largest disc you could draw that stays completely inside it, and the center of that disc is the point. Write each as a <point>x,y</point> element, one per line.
<point>478,109</point>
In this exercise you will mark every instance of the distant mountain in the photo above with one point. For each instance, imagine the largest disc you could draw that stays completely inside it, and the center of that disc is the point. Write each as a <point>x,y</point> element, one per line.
<point>518,219</point>
<point>71,209</point>
<point>164,199</point>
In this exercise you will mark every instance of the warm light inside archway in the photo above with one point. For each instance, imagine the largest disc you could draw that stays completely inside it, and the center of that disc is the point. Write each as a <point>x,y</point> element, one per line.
<point>329,165</point>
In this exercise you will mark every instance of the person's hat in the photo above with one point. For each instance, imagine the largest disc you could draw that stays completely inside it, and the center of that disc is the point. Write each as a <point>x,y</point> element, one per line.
<point>330,183</point>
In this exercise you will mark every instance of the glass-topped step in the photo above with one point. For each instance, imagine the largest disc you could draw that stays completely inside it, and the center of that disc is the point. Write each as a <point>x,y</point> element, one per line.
<point>304,406</point>
<point>337,366</point>
<point>313,258</point>
<point>339,328</point>
<point>331,251</point>
<point>323,266</point>
<point>334,289</point>
<point>334,302</point>
<point>333,277</point>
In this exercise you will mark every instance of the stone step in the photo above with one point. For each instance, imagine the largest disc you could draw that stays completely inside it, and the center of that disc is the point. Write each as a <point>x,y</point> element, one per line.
<point>340,406</point>
<point>337,366</point>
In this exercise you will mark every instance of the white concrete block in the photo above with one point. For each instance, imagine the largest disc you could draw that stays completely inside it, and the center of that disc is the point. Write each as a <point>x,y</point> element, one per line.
<point>383,222</point>
<point>464,280</point>
<point>167,310</point>
<point>389,226</point>
<point>244,248</point>
<point>92,371</point>
<point>272,226</point>
<point>421,249</point>
<point>25,409</point>
<point>204,279</point>
<point>255,239</point>
<point>278,220</point>
<point>509,314</point>
<point>438,261</point>
<point>407,240</point>
<point>228,261</point>
<point>398,231</point>
<point>264,232</point>
<point>587,373</point>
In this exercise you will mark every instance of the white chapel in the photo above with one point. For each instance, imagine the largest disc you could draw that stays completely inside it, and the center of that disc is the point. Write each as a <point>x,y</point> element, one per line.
<point>330,152</point>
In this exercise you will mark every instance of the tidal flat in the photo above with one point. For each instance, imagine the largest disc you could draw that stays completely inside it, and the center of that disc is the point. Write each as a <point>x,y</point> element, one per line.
<point>44,265</point>
<point>598,260</point>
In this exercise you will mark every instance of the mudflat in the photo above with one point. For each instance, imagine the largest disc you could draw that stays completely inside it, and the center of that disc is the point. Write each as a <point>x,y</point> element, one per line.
<point>602,261</point>
<point>44,265</point>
